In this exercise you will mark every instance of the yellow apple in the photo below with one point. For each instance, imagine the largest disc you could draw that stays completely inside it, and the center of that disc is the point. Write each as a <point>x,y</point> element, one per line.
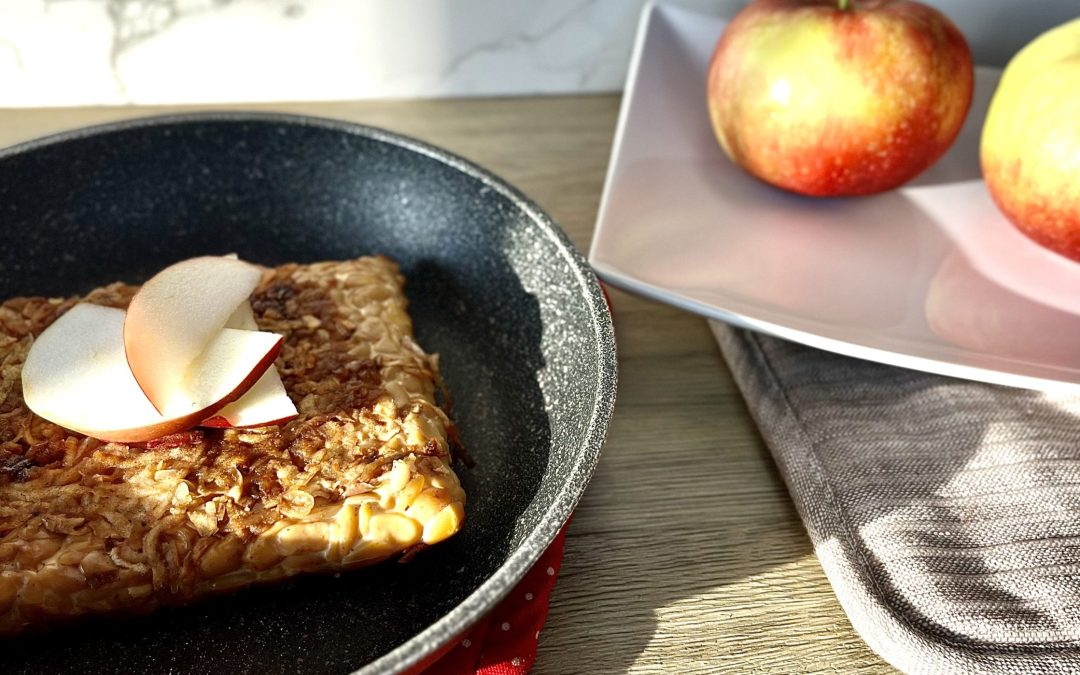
<point>831,97</point>
<point>1030,147</point>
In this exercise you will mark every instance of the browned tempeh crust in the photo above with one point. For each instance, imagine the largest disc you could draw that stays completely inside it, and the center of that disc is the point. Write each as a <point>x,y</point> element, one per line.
<point>361,475</point>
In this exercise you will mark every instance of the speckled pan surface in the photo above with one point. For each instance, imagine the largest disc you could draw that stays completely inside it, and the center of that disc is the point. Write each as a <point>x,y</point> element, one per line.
<point>495,287</point>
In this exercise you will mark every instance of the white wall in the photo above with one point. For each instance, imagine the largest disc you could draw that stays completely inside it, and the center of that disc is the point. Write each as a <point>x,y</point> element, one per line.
<point>85,52</point>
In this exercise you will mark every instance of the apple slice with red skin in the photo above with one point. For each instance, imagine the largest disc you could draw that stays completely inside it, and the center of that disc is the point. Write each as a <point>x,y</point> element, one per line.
<point>174,318</point>
<point>266,403</point>
<point>229,366</point>
<point>76,375</point>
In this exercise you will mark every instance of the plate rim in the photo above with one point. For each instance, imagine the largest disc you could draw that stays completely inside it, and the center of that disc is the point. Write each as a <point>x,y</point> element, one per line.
<point>426,643</point>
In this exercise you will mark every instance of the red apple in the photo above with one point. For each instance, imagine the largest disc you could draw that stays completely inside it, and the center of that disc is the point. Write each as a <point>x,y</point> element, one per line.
<point>831,97</point>
<point>1030,149</point>
<point>76,375</point>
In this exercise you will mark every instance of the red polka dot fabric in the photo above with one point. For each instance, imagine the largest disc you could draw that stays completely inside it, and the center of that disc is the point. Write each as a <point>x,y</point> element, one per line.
<point>504,642</point>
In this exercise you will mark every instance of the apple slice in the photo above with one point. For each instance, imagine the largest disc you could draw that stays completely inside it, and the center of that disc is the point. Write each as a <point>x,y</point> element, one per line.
<point>229,366</point>
<point>243,318</point>
<point>266,402</point>
<point>175,316</point>
<point>76,375</point>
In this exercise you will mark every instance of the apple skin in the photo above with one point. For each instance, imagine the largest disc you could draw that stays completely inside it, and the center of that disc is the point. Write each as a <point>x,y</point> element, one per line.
<point>1030,147</point>
<point>824,101</point>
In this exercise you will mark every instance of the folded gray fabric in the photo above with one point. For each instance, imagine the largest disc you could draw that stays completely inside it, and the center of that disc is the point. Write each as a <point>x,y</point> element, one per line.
<point>945,513</point>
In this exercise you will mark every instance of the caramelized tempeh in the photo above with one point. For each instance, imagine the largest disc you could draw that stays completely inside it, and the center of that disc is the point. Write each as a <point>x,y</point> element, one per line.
<point>361,475</point>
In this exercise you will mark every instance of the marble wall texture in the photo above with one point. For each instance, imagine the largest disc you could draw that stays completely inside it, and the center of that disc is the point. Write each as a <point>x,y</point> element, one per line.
<point>115,52</point>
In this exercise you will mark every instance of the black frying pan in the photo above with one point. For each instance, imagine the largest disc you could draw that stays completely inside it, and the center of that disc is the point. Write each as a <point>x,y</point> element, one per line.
<point>495,287</point>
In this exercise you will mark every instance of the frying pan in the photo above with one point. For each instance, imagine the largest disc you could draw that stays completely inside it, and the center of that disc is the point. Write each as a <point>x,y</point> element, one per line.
<point>494,286</point>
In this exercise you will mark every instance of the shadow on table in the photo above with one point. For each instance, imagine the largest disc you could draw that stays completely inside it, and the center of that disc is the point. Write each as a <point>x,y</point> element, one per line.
<point>672,520</point>
<point>727,521</point>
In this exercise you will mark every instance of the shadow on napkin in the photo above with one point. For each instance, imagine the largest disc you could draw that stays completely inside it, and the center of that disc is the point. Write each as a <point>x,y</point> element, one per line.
<point>945,513</point>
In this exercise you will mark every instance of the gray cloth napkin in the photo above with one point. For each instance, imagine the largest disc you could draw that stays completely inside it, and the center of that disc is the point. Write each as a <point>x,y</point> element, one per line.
<point>945,513</point>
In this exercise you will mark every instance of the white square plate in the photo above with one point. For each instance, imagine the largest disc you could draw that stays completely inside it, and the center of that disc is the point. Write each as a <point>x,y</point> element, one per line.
<point>930,276</point>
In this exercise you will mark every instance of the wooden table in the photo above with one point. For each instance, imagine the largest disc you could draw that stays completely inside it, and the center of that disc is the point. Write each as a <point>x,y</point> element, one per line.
<point>685,554</point>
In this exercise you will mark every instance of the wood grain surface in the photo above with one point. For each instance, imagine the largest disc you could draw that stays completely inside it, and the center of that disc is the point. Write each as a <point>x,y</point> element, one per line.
<point>685,555</point>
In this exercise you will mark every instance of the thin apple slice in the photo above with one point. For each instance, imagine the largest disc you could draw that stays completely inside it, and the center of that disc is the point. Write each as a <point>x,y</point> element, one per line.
<point>243,318</point>
<point>76,375</point>
<point>266,402</point>
<point>176,315</point>
<point>229,366</point>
